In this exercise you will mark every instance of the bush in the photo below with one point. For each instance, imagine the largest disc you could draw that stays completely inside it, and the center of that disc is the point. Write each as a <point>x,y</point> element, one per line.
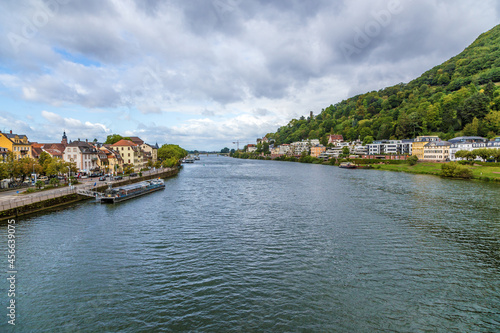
<point>455,170</point>
<point>30,190</point>
<point>412,160</point>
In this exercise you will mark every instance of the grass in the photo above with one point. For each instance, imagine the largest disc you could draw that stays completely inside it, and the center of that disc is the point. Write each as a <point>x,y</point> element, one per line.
<point>486,173</point>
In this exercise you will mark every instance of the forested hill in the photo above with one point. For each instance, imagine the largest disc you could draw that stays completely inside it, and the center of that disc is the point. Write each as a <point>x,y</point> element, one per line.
<point>459,97</point>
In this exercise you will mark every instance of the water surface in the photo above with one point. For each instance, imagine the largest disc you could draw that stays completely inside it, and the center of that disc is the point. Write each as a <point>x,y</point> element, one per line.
<point>238,245</point>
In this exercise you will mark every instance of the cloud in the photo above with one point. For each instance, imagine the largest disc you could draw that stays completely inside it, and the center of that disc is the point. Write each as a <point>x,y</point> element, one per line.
<point>235,60</point>
<point>74,127</point>
<point>148,109</point>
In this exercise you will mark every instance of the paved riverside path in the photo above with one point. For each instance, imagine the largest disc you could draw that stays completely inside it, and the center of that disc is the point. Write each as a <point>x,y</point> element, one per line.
<point>11,199</point>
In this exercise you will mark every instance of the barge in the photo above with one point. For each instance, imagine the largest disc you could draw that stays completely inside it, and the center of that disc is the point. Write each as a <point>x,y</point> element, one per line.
<point>112,195</point>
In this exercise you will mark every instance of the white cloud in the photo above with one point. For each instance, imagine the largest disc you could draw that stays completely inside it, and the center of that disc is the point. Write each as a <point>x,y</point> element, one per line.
<point>241,71</point>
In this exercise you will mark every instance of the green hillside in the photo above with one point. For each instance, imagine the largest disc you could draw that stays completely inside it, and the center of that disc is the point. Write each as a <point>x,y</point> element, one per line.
<point>459,97</point>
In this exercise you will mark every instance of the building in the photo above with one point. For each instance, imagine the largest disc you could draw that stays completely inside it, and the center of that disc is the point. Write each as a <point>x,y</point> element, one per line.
<point>417,148</point>
<point>16,143</point>
<point>390,147</point>
<point>131,154</point>
<point>83,154</point>
<point>437,151</point>
<point>3,153</point>
<point>359,150</point>
<point>317,150</point>
<point>284,149</point>
<point>55,150</point>
<point>468,143</point>
<point>305,145</point>
<point>335,138</point>
<point>251,148</point>
<point>138,141</point>
<point>113,162</point>
<point>150,152</point>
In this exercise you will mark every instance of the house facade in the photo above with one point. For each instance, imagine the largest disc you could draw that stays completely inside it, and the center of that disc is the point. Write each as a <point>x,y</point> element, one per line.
<point>16,143</point>
<point>83,154</point>
<point>131,153</point>
<point>317,150</point>
<point>150,151</point>
<point>468,143</point>
<point>437,151</point>
<point>419,143</point>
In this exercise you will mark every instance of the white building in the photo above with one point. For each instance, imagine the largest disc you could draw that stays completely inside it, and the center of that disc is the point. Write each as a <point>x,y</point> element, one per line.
<point>468,143</point>
<point>390,147</point>
<point>83,154</point>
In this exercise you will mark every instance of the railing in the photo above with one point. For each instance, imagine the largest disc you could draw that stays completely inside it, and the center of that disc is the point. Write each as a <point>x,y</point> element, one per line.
<point>32,198</point>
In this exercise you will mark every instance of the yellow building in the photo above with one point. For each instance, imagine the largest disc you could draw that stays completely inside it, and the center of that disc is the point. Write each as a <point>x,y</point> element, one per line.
<point>317,150</point>
<point>437,151</point>
<point>417,147</point>
<point>16,143</point>
<point>131,154</point>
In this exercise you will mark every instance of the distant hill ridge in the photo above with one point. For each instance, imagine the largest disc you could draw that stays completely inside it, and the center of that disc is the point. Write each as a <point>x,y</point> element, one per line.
<point>459,97</point>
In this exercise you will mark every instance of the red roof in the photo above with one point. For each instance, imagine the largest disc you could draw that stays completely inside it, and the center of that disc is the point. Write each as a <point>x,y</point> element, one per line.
<point>124,143</point>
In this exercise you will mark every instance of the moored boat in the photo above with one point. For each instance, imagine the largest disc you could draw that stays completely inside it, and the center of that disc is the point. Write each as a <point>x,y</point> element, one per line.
<point>122,193</point>
<point>348,165</point>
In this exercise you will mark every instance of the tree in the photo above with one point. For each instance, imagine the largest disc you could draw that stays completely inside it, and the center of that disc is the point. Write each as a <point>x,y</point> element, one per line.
<point>114,138</point>
<point>476,105</point>
<point>39,184</point>
<point>54,181</point>
<point>472,128</point>
<point>171,151</point>
<point>455,170</point>
<point>265,148</point>
<point>128,168</point>
<point>259,148</point>
<point>368,140</point>
<point>345,151</point>
<point>44,156</point>
<point>225,150</point>
<point>412,160</point>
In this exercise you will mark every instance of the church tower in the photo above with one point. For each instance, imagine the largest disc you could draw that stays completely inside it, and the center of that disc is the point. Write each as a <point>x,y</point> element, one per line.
<point>64,140</point>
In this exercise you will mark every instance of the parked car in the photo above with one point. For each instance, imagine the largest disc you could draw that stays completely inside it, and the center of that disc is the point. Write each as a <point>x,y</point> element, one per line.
<point>118,178</point>
<point>84,176</point>
<point>133,174</point>
<point>102,178</point>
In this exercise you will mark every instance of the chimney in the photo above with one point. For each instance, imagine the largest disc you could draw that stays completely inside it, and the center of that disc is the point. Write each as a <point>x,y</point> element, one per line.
<point>10,131</point>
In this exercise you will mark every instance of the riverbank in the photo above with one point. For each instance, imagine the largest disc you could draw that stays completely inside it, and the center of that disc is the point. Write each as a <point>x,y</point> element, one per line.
<point>480,172</point>
<point>23,204</point>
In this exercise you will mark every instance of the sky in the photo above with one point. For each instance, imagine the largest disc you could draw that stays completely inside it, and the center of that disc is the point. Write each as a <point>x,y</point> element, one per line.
<point>204,74</point>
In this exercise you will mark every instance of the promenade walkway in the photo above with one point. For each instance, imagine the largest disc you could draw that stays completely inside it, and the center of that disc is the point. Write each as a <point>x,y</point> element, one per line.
<point>13,199</point>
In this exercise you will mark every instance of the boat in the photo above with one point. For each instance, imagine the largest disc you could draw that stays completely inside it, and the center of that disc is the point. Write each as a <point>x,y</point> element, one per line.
<point>348,165</point>
<point>188,159</point>
<point>117,194</point>
<point>197,158</point>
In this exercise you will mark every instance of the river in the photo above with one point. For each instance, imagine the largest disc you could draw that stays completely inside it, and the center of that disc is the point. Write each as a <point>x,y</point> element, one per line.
<point>241,245</point>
